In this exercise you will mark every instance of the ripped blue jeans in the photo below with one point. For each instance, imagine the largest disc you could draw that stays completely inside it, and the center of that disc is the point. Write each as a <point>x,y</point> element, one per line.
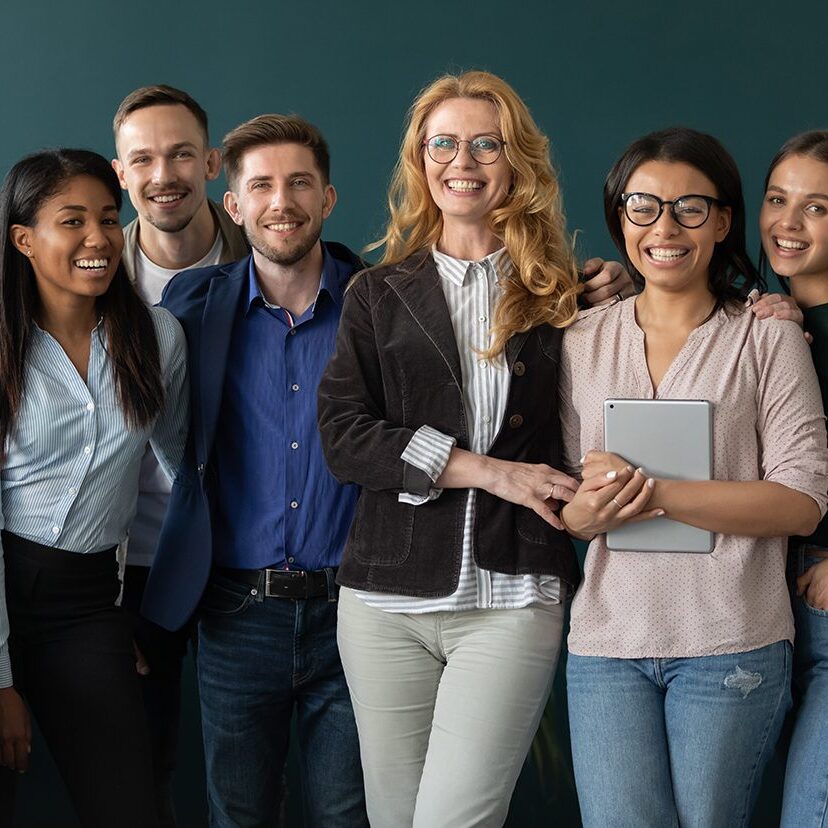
<point>805,804</point>
<point>675,741</point>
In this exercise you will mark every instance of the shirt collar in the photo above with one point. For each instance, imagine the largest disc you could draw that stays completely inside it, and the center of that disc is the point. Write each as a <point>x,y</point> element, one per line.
<point>330,282</point>
<point>456,270</point>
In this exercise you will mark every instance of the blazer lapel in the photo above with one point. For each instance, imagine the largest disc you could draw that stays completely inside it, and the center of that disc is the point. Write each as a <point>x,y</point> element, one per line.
<point>216,329</point>
<point>418,288</point>
<point>513,346</point>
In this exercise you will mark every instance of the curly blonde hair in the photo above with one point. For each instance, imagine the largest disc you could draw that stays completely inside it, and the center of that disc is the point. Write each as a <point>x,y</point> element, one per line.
<point>543,286</point>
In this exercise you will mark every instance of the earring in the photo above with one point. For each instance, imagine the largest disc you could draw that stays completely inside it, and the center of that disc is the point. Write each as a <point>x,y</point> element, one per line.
<point>28,252</point>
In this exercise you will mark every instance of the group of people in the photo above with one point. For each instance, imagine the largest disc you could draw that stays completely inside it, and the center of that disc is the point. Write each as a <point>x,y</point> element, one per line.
<point>353,489</point>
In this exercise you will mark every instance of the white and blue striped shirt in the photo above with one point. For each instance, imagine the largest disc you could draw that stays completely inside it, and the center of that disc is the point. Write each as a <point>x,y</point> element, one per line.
<point>70,479</point>
<point>471,290</point>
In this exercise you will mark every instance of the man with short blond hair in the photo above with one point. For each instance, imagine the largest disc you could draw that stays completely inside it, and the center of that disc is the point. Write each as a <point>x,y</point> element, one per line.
<point>164,161</point>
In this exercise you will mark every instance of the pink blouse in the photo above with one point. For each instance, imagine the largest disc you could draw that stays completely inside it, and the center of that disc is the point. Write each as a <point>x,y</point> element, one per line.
<point>768,424</point>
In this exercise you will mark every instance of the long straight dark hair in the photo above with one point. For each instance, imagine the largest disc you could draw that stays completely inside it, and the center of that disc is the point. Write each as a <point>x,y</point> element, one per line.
<point>732,274</point>
<point>812,144</point>
<point>132,345</point>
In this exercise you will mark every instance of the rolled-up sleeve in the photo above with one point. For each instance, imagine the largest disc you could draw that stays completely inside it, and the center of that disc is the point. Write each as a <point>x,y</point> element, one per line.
<point>428,450</point>
<point>791,420</point>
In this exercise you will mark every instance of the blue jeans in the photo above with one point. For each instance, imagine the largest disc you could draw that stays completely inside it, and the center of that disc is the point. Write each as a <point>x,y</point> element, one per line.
<point>258,660</point>
<point>675,741</point>
<point>805,803</point>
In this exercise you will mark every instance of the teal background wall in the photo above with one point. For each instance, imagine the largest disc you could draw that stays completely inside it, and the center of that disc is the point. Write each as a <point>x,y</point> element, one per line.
<point>595,74</point>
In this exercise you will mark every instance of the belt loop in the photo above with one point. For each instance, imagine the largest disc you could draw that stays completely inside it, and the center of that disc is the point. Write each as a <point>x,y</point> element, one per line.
<point>330,578</point>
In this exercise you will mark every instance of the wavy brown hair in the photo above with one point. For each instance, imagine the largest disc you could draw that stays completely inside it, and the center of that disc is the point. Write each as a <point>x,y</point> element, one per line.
<point>543,287</point>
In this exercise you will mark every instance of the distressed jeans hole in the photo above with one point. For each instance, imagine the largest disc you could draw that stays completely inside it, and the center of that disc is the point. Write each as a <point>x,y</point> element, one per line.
<point>743,681</point>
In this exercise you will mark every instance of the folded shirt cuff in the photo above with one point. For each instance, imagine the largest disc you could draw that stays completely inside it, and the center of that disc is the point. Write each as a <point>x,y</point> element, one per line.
<point>5,666</point>
<point>427,451</point>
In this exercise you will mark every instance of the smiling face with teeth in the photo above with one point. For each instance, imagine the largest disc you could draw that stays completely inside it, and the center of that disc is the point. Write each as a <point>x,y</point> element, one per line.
<point>668,255</point>
<point>75,245</point>
<point>794,220</point>
<point>164,163</point>
<point>281,200</point>
<point>464,190</point>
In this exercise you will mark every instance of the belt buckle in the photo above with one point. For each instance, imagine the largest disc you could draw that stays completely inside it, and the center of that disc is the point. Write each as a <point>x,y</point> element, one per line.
<point>293,575</point>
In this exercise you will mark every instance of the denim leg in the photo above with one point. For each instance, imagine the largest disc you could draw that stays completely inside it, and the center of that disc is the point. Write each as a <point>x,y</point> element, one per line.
<point>333,790</point>
<point>805,802</point>
<point>619,743</point>
<point>245,674</point>
<point>723,717</point>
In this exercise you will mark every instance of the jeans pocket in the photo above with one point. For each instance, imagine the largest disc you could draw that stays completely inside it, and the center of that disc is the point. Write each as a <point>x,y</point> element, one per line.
<point>226,597</point>
<point>820,613</point>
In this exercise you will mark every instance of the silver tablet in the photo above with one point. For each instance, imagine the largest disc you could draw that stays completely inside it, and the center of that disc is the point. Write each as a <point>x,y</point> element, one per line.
<point>670,439</point>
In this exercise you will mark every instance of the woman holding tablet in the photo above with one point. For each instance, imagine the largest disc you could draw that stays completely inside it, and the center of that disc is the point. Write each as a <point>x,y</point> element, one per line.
<point>87,375</point>
<point>438,402</point>
<point>794,228</point>
<point>679,668</point>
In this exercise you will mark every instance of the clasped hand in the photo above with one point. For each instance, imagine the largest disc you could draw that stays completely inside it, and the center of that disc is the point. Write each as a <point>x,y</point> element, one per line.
<point>612,493</point>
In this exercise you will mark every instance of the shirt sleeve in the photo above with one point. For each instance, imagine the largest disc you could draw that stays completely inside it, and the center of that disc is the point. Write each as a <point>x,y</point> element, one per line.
<point>169,434</point>
<point>428,450</point>
<point>5,660</point>
<point>791,421</point>
<point>570,420</point>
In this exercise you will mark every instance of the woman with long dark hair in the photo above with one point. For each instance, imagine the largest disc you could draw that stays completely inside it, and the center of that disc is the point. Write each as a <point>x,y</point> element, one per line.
<point>794,228</point>
<point>679,668</point>
<point>87,375</point>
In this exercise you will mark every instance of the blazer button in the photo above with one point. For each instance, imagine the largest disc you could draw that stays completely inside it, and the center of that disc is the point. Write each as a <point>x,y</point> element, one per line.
<point>515,421</point>
<point>201,468</point>
<point>519,369</point>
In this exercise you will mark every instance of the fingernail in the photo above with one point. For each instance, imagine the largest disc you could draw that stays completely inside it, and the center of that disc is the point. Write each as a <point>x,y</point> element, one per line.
<point>581,461</point>
<point>650,483</point>
<point>661,513</point>
<point>611,475</point>
<point>628,468</point>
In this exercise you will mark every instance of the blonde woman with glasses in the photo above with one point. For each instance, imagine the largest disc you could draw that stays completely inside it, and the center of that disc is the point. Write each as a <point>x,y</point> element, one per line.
<point>440,402</point>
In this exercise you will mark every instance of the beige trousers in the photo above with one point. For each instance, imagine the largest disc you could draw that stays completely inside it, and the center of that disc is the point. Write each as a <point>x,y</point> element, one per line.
<point>447,705</point>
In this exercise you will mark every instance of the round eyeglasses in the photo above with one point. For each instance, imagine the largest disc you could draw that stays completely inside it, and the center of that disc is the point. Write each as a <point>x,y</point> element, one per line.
<point>689,211</point>
<point>443,149</point>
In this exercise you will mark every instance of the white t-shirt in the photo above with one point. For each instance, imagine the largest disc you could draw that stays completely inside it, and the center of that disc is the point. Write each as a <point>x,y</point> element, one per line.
<point>153,486</point>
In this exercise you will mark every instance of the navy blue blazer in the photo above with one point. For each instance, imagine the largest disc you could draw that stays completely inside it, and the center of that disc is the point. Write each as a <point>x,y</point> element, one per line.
<point>205,301</point>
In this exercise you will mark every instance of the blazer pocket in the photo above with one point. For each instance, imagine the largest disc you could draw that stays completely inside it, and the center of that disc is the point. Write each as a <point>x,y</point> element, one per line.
<point>532,527</point>
<point>382,530</point>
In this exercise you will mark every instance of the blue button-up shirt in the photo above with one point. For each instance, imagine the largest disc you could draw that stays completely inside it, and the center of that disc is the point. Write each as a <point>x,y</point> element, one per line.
<point>277,504</point>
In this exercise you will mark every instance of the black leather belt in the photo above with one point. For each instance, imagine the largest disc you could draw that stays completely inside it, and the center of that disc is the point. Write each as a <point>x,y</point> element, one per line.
<point>284,583</point>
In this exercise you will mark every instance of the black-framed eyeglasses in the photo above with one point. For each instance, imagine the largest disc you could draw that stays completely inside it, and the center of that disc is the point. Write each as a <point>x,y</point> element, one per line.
<point>690,210</point>
<point>443,149</point>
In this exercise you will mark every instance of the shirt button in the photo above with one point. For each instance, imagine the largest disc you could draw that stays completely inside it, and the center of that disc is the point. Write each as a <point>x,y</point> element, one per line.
<point>481,318</point>
<point>90,406</point>
<point>72,490</point>
<point>486,418</point>
<point>293,331</point>
<point>483,363</point>
<point>294,504</point>
<point>294,387</point>
<point>294,445</point>
<point>291,559</point>
<point>56,530</point>
<point>87,449</point>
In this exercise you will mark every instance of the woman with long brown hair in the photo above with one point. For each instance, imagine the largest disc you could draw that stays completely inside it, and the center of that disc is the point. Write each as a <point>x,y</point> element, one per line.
<point>87,375</point>
<point>440,402</point>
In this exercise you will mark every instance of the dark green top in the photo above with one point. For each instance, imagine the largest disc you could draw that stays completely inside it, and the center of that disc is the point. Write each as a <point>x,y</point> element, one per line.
<point>816,323</point>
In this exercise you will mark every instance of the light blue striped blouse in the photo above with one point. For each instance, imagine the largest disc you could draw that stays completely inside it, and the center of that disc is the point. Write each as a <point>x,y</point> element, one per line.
<point>70,479</point>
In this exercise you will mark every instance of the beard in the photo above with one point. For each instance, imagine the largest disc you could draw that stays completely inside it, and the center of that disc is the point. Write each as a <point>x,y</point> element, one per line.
<point>290,254</point>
